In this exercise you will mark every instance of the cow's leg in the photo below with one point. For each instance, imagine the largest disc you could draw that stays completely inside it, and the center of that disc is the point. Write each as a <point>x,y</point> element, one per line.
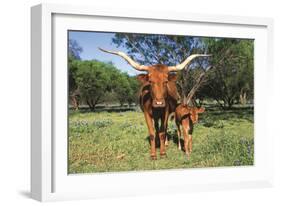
<point>190,143</point>
<point>151,131</point>
<point>166,126</point>
<point>163,131</point>
<point>162,137</point>
<point>179,136</point>
<point>166,142</point>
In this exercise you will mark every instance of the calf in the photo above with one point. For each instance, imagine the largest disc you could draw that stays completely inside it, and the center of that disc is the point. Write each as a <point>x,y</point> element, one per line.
<point>186,117</point>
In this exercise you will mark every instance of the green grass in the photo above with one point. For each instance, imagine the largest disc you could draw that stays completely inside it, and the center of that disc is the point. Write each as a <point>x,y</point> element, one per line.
<point>111,141</point>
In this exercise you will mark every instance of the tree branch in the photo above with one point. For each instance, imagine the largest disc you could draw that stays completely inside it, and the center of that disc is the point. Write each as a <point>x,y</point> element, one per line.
<point>136,48</point>
<point>195,87</point>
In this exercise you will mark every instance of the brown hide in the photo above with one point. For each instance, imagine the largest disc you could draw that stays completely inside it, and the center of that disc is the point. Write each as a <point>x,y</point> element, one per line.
<point>160,84</point>
<point>183,111</point>
<point>168,92</point>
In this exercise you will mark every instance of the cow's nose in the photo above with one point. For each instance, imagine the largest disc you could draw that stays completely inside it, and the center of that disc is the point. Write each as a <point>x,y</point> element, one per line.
<point>158,103</point>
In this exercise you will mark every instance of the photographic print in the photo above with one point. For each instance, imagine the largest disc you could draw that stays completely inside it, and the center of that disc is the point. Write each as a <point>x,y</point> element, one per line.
<point>141,102</point>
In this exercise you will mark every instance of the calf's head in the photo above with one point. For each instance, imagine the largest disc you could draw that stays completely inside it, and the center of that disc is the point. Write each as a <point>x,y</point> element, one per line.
<point>194,111</point>
<point>160,78</point>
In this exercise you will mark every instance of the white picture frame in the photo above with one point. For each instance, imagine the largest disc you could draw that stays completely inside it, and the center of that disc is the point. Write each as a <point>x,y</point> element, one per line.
<point>49,178</point>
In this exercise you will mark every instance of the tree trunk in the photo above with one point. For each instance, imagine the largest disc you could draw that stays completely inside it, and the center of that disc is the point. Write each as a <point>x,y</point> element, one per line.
<point>220,105</point>
<point>91,105</point>
<point>243,98</point>
<point>75,102</point>
<point>228,104</point>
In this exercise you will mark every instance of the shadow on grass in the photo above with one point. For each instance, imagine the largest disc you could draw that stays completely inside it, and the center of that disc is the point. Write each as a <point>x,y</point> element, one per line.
<point>215,114</point>
<point>171,137</point>
<point>104,109</point>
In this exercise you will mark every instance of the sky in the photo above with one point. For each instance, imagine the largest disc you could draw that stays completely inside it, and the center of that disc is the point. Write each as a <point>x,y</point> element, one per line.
<point>90,41</point>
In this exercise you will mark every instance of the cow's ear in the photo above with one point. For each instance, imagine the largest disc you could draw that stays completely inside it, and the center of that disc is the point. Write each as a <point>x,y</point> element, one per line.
<point>172,77</point>
<point>201,110</point>
<point>142,78</point>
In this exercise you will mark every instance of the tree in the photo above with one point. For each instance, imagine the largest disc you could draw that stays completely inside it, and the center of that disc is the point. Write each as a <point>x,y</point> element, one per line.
<point>134,85</point>
<point>232,75</point>
<point>124,86</point>
<point>189,81</point>
<point>92,80</point>
<point>231,78</point>
<point>156,48</point>
<point>102,82</point>
<point>74,51</point>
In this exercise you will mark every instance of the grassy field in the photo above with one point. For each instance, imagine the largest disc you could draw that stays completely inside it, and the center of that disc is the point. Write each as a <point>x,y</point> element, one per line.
<point>118,141</point>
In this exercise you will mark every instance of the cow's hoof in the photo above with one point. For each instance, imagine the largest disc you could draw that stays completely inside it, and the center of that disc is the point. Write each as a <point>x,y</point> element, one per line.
<point>153,157</point>
<point>179,148</point>
<point>166,143</point>
<point>187,156</point>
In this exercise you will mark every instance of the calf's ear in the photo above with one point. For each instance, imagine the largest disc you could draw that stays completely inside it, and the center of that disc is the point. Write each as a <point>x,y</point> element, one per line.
<point>143,78</point>
<point>201,110</point>
<point>172,77</point>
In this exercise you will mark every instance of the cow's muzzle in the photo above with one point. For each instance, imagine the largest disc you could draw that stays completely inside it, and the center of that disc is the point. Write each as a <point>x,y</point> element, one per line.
<point>158,103</point>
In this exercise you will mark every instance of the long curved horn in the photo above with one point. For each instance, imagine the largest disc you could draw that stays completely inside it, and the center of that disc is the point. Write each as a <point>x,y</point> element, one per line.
<point>186,62</point>
<point>134,64</point>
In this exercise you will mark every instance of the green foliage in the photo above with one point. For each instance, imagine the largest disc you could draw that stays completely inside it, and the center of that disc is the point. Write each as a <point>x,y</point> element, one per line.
<point>122,88</point>
<point>109,142</point>
<point>232,73</point>
<point>187,79</point>
<point>157,48</point>
<point>232,59</point>
<point>230,80</point>
<point>100,82</point>
<point>92,80</point>
<point>74,51</point>
<point>72,68</point>
<point>132,96</point>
